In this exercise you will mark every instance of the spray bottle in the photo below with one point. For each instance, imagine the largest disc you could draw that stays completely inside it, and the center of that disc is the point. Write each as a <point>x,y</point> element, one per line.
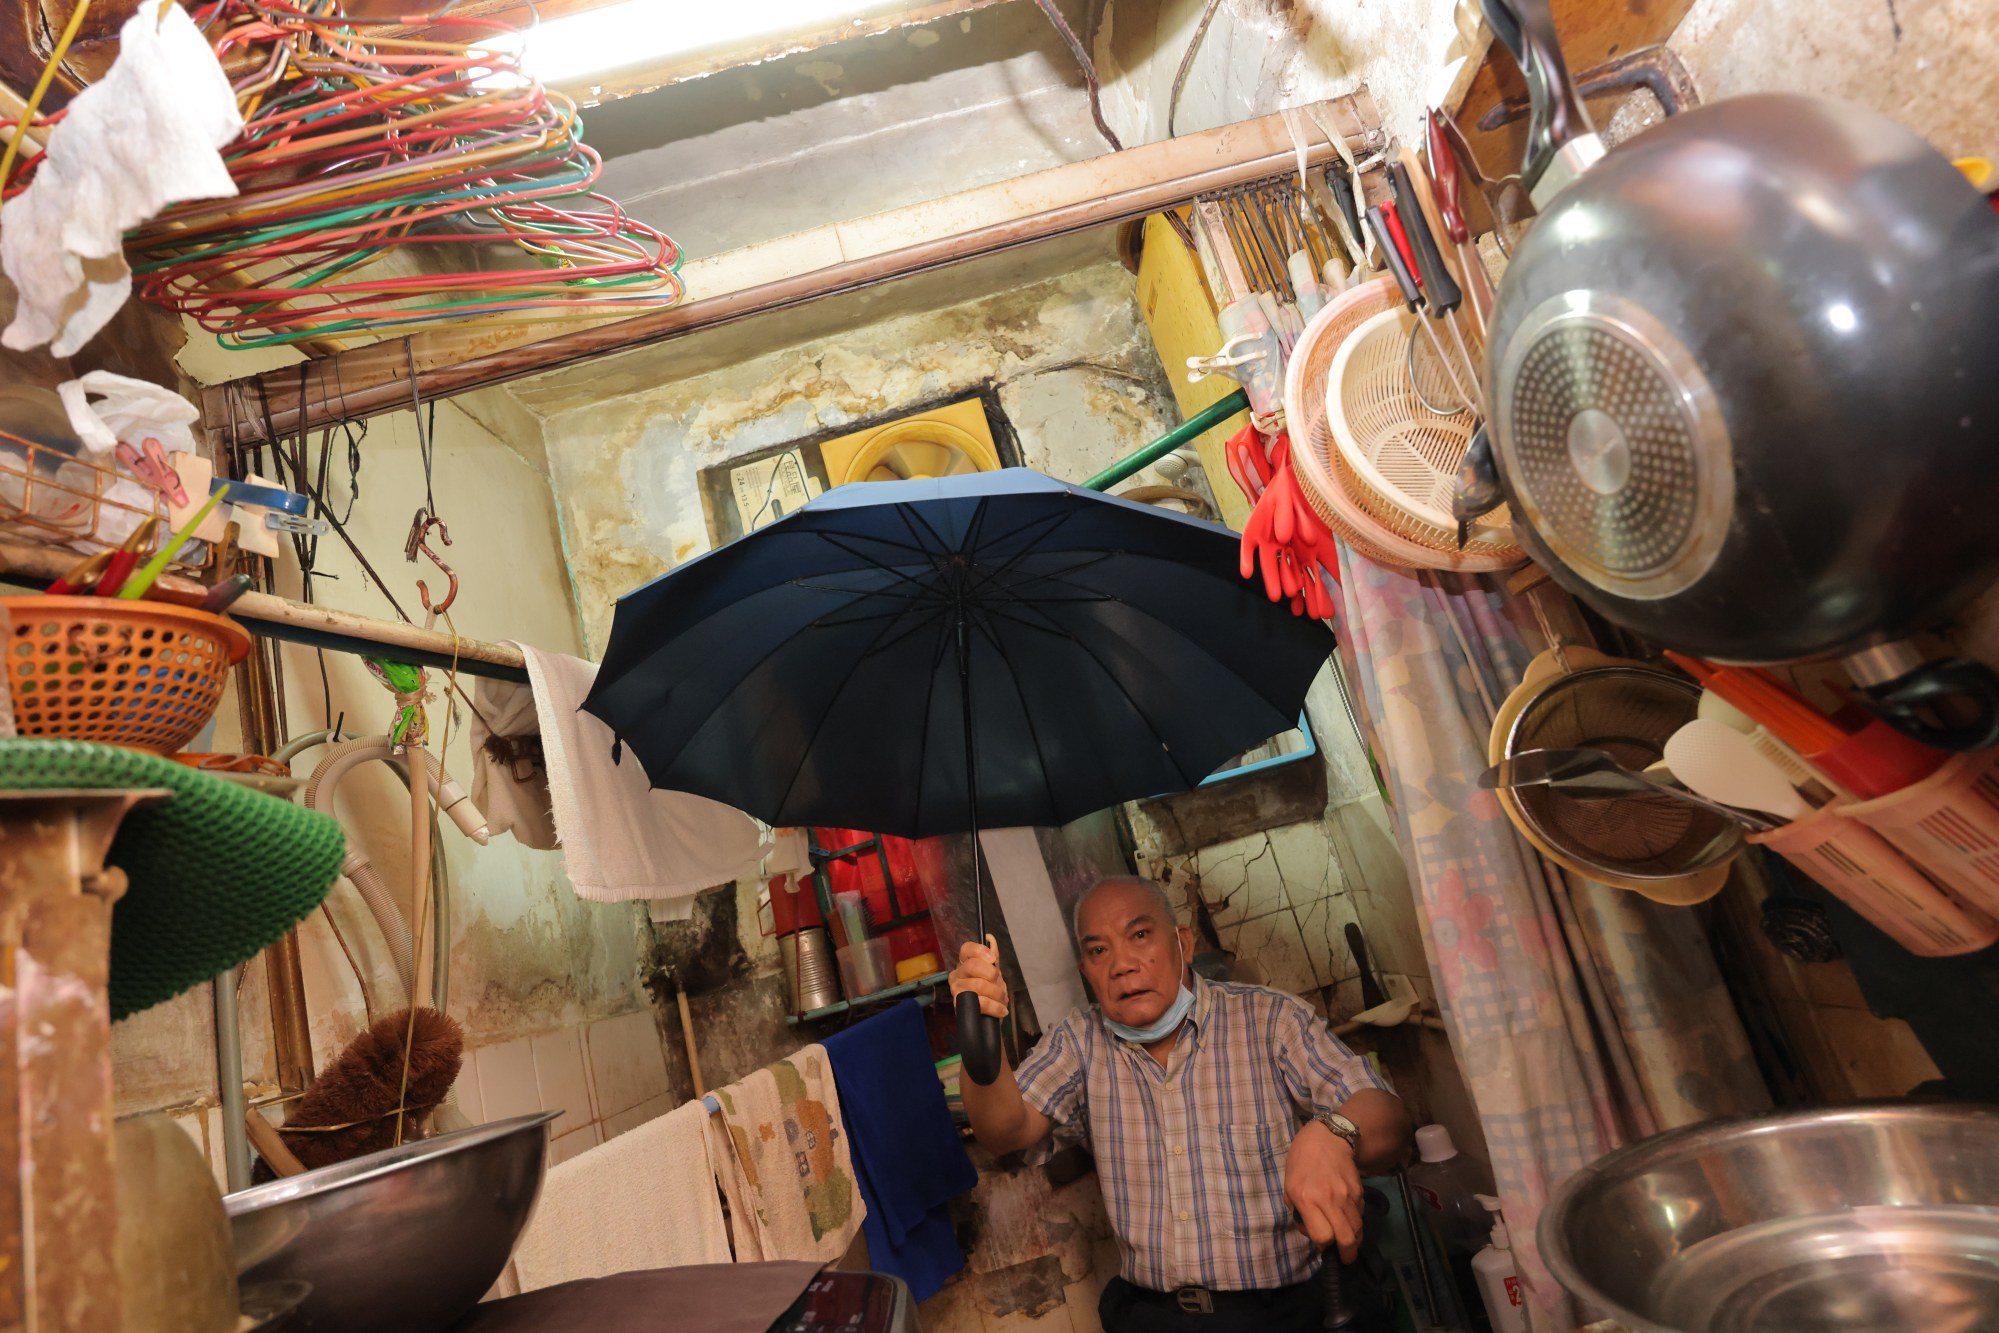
<point>1498,1282</point>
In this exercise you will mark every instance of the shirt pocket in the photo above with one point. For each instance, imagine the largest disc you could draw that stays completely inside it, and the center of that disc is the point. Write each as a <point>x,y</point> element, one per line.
<point>1248,1193</point>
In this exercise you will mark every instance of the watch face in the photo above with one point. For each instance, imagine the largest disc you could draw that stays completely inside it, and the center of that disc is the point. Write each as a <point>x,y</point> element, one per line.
<point>1343,1127</point>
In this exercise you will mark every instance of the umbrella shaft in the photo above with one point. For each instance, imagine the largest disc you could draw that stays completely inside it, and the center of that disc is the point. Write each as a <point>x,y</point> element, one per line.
<point>971,765</point>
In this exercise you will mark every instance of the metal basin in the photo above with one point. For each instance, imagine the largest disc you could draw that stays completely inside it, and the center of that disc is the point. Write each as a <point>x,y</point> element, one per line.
<point>1865,1217</point>
<point>401,1241</point>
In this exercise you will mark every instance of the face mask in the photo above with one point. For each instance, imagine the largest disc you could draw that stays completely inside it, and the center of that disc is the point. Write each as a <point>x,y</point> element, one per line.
<point>1167,1023</point>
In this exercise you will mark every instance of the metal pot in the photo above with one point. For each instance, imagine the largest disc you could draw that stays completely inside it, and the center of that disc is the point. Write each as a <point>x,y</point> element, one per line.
<point>1853,1217</point>
<point>1743,390</point>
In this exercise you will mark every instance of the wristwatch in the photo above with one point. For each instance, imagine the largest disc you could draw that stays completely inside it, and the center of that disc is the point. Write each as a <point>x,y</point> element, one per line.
<point>1341,1126</point>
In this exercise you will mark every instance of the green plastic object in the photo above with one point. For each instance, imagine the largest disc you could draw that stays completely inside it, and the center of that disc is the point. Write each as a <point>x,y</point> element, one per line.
<point>217,873</point>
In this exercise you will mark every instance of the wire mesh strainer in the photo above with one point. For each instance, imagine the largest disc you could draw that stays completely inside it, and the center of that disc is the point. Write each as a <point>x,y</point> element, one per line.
<point>1628,712</point>
<point>1345,504</point>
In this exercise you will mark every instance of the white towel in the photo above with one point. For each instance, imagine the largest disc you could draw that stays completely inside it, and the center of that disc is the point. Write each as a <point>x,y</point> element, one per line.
<point>646,1199</point>
<point>781,1157</point>
<point>622,839</point>
<point>142,137</point>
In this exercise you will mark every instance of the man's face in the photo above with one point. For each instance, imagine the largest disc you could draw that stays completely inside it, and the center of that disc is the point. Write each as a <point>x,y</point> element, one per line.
<point>1134,959</point>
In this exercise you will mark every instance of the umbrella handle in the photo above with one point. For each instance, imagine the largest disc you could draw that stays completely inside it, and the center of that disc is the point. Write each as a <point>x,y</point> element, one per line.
<point>978,1040</point>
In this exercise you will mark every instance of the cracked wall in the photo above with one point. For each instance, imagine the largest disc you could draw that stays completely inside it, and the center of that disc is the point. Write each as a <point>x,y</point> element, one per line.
<point>1068,356</point>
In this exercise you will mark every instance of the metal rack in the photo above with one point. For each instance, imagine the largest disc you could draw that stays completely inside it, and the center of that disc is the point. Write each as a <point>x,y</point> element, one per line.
<point>49,495</point>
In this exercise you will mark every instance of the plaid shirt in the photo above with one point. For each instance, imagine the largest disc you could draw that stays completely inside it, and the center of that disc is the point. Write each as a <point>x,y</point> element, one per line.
<point>1191,1156</point>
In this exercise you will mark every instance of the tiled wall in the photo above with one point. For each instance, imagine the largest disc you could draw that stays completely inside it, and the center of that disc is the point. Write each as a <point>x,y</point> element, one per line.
<point>605,1077</point>
<point>1280,902</point>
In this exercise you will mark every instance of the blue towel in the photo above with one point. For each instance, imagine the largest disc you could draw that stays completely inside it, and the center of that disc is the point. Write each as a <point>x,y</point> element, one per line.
<point>905,1146</point>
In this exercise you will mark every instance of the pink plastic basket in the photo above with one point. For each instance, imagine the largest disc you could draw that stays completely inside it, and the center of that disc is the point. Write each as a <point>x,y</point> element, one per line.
<point>1876,880</point>
<point>1948,824</point>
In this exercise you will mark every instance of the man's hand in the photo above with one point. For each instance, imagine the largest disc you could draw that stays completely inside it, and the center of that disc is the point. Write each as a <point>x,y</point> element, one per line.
<point>1322,1182</point>
<point>978,972</point>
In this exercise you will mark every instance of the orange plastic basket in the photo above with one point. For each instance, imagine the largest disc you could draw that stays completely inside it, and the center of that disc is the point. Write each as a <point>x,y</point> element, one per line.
<point>146,675</point>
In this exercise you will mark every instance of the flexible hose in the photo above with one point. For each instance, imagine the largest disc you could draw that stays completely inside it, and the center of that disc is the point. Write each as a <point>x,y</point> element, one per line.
<point>389,914</point>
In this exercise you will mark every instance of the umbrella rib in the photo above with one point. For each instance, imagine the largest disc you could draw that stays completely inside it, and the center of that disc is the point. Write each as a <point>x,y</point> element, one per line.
<point>909,516</point>
<point>834,541</point>
<point>1168,626</point>
<point>929,707</point>
<point>1055,575</point>
<point>1029,549</point>
<point>919,624</point>
<point>916,596</point>
<point>1114,679</point>
<point>1027,715</point>
<point>1053,521</point>
<point>805,753</point>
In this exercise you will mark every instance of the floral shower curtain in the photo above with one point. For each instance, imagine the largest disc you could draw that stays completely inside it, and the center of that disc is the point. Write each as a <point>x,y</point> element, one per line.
<point>1584,1017</point>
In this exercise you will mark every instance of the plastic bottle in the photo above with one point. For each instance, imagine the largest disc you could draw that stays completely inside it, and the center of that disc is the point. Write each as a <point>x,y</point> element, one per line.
<point>1498,1282</point>
<point>1446,1188</point>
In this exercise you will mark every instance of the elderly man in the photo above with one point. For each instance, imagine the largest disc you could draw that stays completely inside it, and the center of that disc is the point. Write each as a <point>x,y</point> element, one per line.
<point>1230,1128</point>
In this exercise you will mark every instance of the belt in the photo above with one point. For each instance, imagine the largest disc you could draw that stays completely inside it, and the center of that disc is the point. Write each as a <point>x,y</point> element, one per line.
<point>1206,1300</point>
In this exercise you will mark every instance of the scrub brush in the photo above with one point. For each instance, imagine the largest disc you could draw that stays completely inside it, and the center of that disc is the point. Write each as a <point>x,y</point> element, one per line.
<point>351,1108</point>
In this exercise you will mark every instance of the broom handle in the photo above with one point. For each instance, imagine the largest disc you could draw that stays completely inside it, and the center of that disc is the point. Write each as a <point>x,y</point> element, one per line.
<point>264,1137</point>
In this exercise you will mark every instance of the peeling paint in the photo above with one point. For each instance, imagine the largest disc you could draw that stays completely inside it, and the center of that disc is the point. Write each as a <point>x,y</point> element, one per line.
<point>1069,357</point>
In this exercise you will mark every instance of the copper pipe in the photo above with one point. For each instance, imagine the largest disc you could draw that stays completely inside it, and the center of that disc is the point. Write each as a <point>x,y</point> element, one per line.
<point>291,1035</point>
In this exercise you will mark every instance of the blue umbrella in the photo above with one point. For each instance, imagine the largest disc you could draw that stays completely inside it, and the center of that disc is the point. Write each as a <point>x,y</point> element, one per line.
<point>928,657</point>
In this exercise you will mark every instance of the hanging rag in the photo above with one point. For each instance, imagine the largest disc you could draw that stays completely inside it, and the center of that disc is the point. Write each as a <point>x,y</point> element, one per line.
<point>142,137</point>
<point>621,838</point>
<point>907,1153</point>
<point>781,1155</point>
<point>509,774</point>
<point>714,1298</point>
<point>646,1199</point>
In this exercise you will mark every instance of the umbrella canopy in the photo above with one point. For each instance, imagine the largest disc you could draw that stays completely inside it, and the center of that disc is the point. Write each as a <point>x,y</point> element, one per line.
<point>931,656</point>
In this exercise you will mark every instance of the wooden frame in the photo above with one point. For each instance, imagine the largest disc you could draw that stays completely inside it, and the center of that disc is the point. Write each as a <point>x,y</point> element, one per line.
<point>839,257</point>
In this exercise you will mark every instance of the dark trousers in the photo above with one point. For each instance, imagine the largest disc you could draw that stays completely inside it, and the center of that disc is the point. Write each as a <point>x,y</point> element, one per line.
<point>1125,1308</point>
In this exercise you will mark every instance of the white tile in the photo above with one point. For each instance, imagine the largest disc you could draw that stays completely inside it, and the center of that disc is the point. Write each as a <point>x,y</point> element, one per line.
<point>1240,880</point>
<point>569,1145</point>
<point>465,1092</point>
<point>1272,942</point>
<point>627,1066</point>
<point>218,1158</point>
<point>1304,857</point>
<point>562,1080</point>
<point>650,1109</point>
<point>1322,926</point>
<point>506,1079</point>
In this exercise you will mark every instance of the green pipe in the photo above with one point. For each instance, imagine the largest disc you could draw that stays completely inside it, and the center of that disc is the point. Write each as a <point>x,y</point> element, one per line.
<point>1199,424</point>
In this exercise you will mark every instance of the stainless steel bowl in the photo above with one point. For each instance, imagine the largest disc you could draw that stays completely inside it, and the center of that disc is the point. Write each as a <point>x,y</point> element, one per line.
<point>402,1241</point>
<point>1866,1217</point>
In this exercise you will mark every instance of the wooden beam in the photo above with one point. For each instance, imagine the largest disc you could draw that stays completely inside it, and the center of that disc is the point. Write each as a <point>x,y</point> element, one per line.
<point>1592,32</point>
<point>845,257</point>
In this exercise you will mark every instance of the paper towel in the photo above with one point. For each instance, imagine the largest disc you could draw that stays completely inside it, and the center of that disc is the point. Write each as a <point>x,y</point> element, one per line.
<point>142,137</point>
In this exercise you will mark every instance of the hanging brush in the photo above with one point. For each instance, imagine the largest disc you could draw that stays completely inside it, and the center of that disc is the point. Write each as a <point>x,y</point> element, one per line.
<point>366,1100</point>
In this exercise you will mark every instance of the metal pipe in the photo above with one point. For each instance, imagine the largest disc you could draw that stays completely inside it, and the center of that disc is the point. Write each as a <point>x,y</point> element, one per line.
<point>1192,428</point>
<point>229,1081</point>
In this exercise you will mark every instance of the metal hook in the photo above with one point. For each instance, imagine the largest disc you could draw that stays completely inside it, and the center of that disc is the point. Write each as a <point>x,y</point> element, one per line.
<point>423,593</point>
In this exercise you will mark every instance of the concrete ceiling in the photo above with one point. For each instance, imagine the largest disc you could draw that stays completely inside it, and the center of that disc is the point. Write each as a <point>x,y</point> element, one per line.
<point>766,149</point>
